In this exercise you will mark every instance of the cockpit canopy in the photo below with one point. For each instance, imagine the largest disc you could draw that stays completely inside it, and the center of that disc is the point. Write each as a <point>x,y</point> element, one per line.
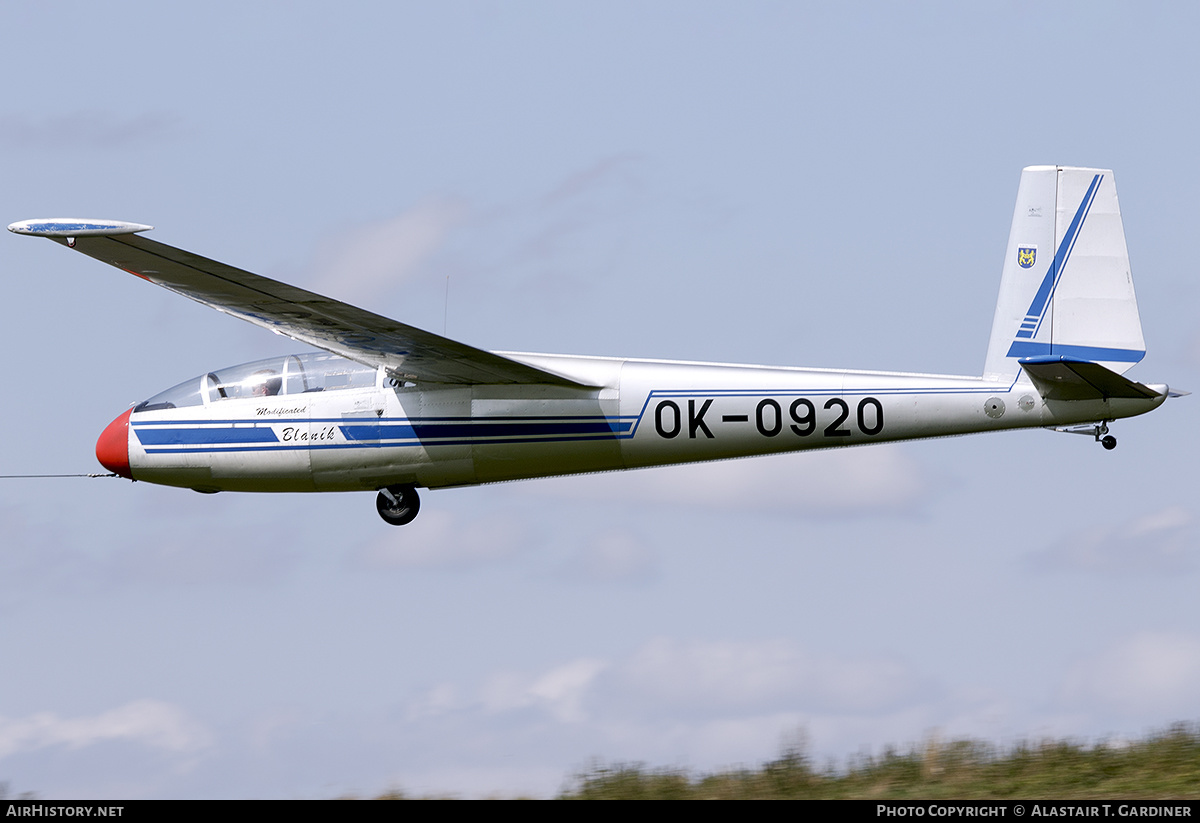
<point>290,375</point>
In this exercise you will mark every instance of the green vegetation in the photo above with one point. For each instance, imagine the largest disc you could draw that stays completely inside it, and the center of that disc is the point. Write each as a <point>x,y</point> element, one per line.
<point>1164,765</point>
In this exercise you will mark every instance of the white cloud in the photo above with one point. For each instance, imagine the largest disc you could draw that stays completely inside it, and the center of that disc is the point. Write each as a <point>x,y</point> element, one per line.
<point>561,691</point>
<point>198,559</point>
<point>86,130</point>
<point>588,181</point>
<point>438,539</point>
<point>151,723</point>
<point>1150,677</point>
<point>1158,542</point>
<point>839,482</point>
<point>758,675</point>
<point>613,557</point>
<point>366,263</point>
<point>694,703</point>
<point>669,681</point>
<point>179,549</point>
<point>441,699</point>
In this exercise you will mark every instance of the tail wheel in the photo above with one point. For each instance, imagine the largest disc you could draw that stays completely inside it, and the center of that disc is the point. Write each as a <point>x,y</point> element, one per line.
<point>398,505</point>
<point>1109,442</point>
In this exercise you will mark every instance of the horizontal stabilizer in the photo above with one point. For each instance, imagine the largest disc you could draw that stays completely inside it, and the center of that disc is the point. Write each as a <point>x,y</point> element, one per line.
<point>1059,377</point>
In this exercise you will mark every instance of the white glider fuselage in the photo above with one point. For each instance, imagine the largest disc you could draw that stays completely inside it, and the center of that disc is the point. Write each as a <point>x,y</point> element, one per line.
<point>643,413</point>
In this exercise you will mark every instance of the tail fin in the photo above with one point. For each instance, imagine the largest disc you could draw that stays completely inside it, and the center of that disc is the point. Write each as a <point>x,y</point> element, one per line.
<point>1066,287</point>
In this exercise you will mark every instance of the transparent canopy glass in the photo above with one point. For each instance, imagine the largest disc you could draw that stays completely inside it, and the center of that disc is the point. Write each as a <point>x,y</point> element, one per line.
<point>289,375</point>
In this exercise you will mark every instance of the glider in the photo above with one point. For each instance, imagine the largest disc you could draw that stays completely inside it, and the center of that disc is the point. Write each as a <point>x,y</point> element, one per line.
<point>391,408</point>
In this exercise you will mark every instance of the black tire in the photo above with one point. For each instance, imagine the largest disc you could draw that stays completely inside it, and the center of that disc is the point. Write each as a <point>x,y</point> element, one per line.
<point>403,509</point>
<point>1109,442</point>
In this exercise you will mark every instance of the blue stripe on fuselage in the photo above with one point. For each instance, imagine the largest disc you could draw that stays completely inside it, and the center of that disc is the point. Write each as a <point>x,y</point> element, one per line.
<point>475,429</point>
<point>157,434</point>
<point>204,436</point>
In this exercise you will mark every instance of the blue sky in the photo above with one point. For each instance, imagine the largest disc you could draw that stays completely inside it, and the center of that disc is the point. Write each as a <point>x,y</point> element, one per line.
<point>778,183</point>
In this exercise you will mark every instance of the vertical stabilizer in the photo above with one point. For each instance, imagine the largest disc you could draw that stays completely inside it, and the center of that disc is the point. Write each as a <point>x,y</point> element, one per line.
<point>1066,289</point>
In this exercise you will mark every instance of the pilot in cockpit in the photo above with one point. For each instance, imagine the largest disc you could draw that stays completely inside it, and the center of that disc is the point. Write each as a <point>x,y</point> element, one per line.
<point>265,383</point>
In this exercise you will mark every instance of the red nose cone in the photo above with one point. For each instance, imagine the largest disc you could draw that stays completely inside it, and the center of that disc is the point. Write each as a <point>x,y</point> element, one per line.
<point>112,449</point>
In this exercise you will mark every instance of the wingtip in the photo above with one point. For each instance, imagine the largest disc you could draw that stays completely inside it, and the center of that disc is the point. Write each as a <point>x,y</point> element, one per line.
<point>75,227</point>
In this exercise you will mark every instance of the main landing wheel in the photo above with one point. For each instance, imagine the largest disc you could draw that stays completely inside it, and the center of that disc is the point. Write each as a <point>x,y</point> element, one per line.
<point>1109,442</point>
<point>398,505</point>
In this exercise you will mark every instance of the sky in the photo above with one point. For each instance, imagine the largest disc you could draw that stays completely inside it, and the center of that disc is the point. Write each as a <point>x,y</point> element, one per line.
<point>760,182</point>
